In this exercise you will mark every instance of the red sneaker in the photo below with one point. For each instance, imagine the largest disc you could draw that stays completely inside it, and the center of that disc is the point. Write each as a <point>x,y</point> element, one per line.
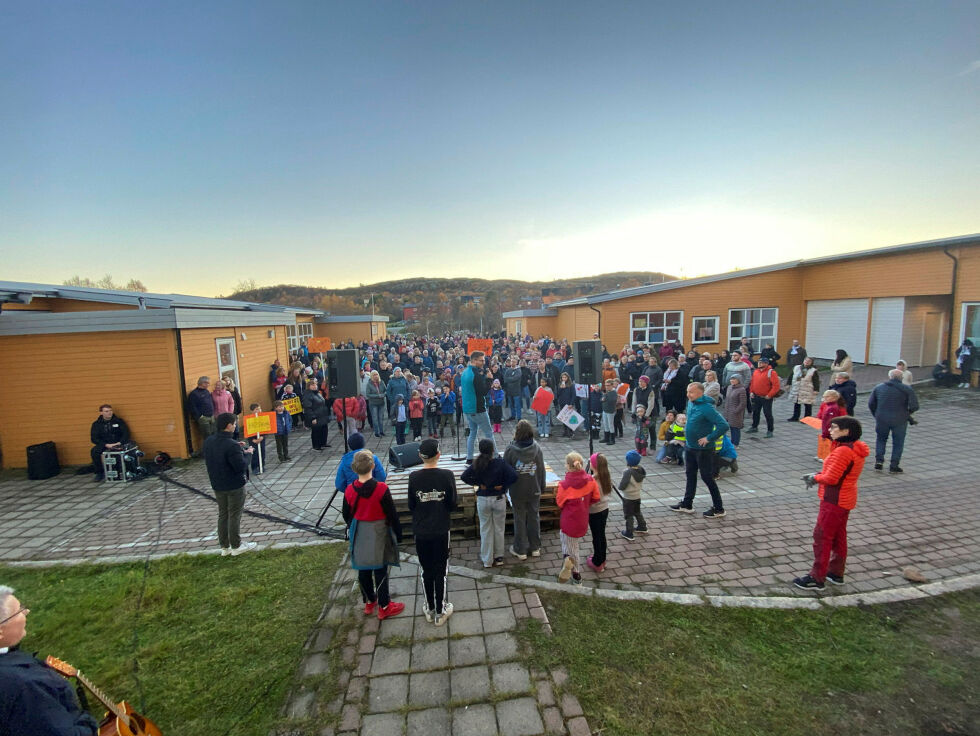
<point>392,609</point>
<point>369,608</point>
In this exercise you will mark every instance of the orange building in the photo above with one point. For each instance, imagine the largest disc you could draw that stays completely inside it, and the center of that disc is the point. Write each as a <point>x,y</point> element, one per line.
<point>66,350</point>
<point>356,328</point>
<point>915,302</point>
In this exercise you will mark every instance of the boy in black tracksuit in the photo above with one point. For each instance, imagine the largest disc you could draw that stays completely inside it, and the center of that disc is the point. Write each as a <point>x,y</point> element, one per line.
<point>431,498</point>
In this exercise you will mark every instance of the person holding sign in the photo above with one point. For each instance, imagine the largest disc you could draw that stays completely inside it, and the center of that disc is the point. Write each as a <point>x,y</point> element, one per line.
<point>541,403</point>
<point>226,462</point>
<point>284,424</point>
<point>257,443</point>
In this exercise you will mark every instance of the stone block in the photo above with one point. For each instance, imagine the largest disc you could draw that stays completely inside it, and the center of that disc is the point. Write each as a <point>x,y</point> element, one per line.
<point>429,688</point>
<point>387,693</point>
<point>519,717</point>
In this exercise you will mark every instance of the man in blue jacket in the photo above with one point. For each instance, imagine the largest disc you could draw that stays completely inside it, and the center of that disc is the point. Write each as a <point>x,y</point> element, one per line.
<point>345,474</point>
<point>473,386</point>
<point>704,426</point>
<point>892,403</point>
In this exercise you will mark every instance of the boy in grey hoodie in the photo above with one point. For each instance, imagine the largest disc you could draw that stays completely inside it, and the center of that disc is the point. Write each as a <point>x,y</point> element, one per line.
<point>525,456</point>
<point>632,485</point>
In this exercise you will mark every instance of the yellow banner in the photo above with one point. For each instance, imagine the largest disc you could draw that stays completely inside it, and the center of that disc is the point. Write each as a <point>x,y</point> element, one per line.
<point>293,406</point>
<point>261,423</point>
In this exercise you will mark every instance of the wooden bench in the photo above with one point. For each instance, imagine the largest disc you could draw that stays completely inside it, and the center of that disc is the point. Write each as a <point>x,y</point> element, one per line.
<point>464,519</point>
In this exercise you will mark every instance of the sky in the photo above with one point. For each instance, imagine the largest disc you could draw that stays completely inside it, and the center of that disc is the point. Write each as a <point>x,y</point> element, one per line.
<point>195,145</point>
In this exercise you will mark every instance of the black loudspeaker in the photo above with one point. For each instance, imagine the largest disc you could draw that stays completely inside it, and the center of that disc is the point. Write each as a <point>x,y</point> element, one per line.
<point>342,373</point>
<point>588,361</point>
<point>42,461</point>
<point>405,456</point>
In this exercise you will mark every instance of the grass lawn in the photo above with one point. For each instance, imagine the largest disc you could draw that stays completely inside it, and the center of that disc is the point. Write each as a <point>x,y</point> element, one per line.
<point>657,668</point>
<point>219,638</point>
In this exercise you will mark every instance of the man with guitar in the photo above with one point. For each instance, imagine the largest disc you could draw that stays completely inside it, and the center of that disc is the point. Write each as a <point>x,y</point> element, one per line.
<point>34,699</point>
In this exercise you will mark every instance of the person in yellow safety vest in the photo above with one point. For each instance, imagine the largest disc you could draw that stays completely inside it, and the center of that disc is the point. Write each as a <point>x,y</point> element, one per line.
<point>676,440</point>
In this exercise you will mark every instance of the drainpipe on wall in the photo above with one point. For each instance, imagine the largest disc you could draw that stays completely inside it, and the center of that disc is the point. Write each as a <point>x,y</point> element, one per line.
<point>598,322</point>
<point>183,396</point>
<point>952,307</point>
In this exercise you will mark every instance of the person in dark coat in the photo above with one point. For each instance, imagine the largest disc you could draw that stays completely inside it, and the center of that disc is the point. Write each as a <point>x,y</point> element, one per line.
<point>109,432</point>
<point>770,354</point>
<point>226,463</point>
<point>34,699</point>
<point>795,356</point>
<point>201,407</point>
<point>317,413</point>
<point>892,403</point>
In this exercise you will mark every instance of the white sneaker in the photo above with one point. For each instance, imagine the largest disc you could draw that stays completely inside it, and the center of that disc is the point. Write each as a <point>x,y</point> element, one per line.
<point>516,554</point>
<point>535,553</point>
<point>246,547</point>
<point>429,615</point>
<point>447,611</point>
<point>225,551</point>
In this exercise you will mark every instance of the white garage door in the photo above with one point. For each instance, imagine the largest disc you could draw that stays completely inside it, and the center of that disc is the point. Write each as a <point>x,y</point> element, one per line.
<point>887,317</point>
<point>837,323</point>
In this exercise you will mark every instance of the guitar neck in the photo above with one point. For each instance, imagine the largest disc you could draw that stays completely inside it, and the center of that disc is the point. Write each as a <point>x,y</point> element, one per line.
<point>102,697</point>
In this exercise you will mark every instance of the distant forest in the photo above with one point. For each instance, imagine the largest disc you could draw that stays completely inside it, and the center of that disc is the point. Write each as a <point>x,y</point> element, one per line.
<point>444,304</point>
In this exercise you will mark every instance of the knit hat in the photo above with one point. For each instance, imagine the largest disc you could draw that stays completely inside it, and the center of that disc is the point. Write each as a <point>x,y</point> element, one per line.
<point>356,441</point>
<point>632,458</point>
<point>645,378</point>
<point>428,448</point>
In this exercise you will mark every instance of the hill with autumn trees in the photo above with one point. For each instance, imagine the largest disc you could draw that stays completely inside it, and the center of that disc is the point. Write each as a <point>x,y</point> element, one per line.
<point>445,304</point>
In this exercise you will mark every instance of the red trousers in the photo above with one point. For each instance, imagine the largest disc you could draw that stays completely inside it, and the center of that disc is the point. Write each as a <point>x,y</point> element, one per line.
<point>829,541</point>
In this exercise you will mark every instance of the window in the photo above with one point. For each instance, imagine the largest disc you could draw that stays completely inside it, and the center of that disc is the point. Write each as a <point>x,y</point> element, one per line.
<point>655,327</point>
<point>228,360</point>
<point>295,334</point>
<point>970,330</point>
<point>758,325</point>
<point>704,329</point>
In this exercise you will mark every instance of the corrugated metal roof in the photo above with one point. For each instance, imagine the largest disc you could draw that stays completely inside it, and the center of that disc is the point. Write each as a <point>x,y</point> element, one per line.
<point>23,292</point>
<point>519,313</point>
<point>332,318</point>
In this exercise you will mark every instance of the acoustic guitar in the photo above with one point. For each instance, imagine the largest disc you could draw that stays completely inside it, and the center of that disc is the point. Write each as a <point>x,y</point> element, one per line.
<point>121,720</point>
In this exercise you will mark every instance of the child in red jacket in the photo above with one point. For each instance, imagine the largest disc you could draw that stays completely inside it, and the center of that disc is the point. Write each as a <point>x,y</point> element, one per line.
<point>838,495</point>
<point>576,492</point>
<point>416,410</point>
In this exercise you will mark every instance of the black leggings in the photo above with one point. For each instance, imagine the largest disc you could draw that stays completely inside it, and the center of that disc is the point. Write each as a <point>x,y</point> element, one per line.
<point>597,525</point>
<point>433,554</point>
<point>374,586</point>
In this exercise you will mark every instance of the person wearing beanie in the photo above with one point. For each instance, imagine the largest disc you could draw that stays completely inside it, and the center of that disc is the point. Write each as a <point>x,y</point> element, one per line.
<point>346,475</point>
<point>431,499</point>
<point>632,487</point>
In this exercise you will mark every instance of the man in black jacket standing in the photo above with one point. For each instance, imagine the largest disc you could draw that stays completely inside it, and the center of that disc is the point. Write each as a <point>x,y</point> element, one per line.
<point>109,432</point>
<point>892,403</point>
<point>227,462</point>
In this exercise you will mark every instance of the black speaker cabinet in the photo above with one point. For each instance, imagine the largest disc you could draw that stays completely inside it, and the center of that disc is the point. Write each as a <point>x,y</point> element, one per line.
<point>42,461</point>
<point>405,456</point>
<point>342,378</point>
<point>588,361</point>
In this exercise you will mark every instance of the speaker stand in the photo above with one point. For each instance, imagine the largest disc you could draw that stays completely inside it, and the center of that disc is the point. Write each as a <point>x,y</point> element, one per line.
<point>457,457</point>
<point>346,450</point>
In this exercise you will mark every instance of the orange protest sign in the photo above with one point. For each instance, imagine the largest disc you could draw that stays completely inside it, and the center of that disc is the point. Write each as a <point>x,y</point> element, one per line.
<point>318,344</point>
<point>812,422</point>
<point>293,405</point>
<point>486,346</point>
<point>623,389</point>
<point>261,423</point>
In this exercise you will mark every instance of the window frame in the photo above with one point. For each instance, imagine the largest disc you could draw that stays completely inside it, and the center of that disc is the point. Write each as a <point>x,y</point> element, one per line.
<point>233,366</point>
<point>664,312</point>
<point>694,330</point>
<point>761,338</point>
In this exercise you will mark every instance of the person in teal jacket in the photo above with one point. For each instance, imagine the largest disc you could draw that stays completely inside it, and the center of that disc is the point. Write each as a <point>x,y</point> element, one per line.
<point>704,426</point>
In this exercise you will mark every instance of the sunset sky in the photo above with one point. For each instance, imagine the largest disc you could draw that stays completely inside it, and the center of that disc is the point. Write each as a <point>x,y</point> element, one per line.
<point>196,144</point>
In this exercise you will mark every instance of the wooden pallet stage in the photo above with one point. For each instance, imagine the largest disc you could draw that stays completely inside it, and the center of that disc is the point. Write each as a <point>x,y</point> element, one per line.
<point>464,519</point>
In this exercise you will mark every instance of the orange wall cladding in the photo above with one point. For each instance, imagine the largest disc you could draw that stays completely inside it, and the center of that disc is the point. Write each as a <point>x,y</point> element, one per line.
<point>343,331</point>
<point>534,326</point>
<point>255,353</point>
<point>776,289</point>
<point>136,372</point>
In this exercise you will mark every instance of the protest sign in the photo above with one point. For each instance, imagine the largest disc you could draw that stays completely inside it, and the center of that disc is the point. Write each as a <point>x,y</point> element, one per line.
<point>293,405</point>
<point>542,400</point>
<point>262,423</point>
<point>812,422</point>
<point>318,344</point>
<point>570,418</point>
<point>582,390</point>
<point>485,346</point>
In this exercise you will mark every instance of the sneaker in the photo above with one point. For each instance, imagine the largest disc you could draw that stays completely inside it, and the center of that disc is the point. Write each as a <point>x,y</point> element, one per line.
<point>566,570</point>
<point>835,579</point>
<point>879,466</point>
<point>535,553</point>
<point>430,616</point>
<point>498,561</point>
<point>518,555</point>
<point>447,611</point>
<point>592,566</point>
<point>734,466</point>
<point>751,430</point>
<point>625,535</point>
<point>641,531</point>
<point>225,551</point>
<point>245,547</point>
<point>369,607</point>
<point>681,509</point>
<point>768,435</point>
<point>392,609</point>
<point>807,583</point>
<point>896,469</point>
<point>576,578</point>
<point>713,513</point>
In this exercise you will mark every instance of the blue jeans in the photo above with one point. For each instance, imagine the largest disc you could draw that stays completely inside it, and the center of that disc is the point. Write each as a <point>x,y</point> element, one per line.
<point>526,396</point>
<point>378,417</point>
<point>736,435</point>
<point>544,423</point>
<point>897,432</point>
<point>477,422</point>
<point>514,402</point>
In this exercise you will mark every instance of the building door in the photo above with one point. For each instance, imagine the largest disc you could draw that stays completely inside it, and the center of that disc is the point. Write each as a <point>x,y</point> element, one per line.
<point>832,324</point>
<point>519,328</point>
<point>228,360</point>
<point>887,318</point>
<point>932,337</point>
